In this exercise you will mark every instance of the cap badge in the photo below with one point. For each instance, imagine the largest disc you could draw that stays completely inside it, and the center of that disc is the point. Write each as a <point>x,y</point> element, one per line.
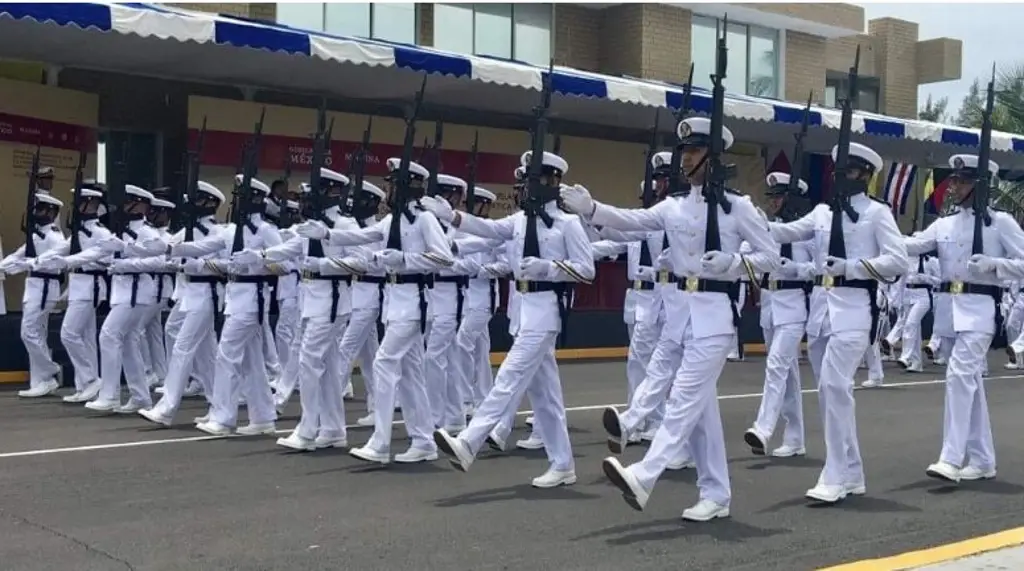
<point>958,162</point>
<point>685,130</point>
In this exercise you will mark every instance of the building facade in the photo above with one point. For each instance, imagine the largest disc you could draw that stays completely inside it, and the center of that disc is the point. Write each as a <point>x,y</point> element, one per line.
<point>775,50</point>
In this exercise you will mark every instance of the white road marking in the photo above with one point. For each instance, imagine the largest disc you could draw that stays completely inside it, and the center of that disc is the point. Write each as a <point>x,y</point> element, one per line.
<point>45,451</point>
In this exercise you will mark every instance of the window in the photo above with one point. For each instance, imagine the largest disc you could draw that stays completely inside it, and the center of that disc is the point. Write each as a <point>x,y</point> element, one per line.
<point>867,93</point>
<point>512,31</point>
<point>753,56</point>
<point>391,22</point>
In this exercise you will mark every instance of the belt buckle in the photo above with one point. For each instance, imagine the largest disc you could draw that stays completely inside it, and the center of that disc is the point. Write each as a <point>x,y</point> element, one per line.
<point>663,276</point>
<point>956,287</point>
<point>392,278</point>
<point>773,285</point>
<point>691,284</point>
<point>828,281</point>
<point>637,284</point>
<point>522,286</point>
<point>355,277</point>
<point>306,275</point>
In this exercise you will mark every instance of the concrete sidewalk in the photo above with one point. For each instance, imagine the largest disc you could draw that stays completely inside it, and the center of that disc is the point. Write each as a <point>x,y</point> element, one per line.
<point>1007,559</point>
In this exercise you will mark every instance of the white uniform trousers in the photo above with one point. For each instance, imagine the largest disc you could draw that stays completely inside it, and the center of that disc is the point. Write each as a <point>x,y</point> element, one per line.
<point>782,390</point>
<point>641,349</point>
<point>35,329</point>
<point>240,370</point>
<point>650,395</point>
<point>172,326</point>
<point>693,421</point>
<point>912,341</point>
<point>896,332</point>
<point>78,335</point>
<point>192,355</point>
<point>360,341</point>
<point>289,378</point>
<point>873,361</point>
<point>154,353</point>
<point>398,368</point>
<point>323,409</point>
<point>288,317</point>
<point>530,363</point>
<point>121,347</point>
<point>443,386</point>
<point>271,360</point>
<point>967,431</point>
<point>835,357</point>
<point>473,353</point>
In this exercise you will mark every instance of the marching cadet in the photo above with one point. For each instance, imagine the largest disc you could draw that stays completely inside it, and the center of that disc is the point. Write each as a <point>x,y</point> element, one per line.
<point>286,292</point>
<point>87,288</point>
<point>917,302</point>
<point>700,314</point>
<point>193,350</point>
<point>973,284</point>
<point>941,343</point>
<point>240,366</point>
<point>548,251</point>
<point>784,304</point>
<point>416,247</point>
<point>326,306</point>
<point>447,303</point>
<point>153,349</point>
<point>42,288</point>
<point>844,313</point>
<point>360,338</point>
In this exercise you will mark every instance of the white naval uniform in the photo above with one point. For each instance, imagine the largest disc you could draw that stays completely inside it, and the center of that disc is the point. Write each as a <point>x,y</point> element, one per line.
<point>701,325</point>
<point>896,293</point>
<point>917,303</point>
<point>784,308</point>
<point>38,300</point>
<point>440,357</point>
<point>530,367</point>
<point>289,313</point>
<point>839,327</point>
<point>473,340</point>
<point>154,352</point>
<point>240,365</point>
<point>1015,323</point>
<point>967,432</point>
<point>398,364</point>
<point>87,289</point>
<point>942,337</point>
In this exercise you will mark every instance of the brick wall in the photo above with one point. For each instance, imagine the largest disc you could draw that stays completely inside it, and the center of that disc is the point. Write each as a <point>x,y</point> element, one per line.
<point>666,40</point>
<point>578,37</point>
<point>839,54</point>
<point>426,23</point>
<point>836,14</point>
<point>897,58</point>
<point>805,67</point>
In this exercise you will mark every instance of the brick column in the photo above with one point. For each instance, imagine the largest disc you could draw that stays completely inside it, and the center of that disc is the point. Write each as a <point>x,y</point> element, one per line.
<point>897,57</point>
<point>805,66</point>
<point>577,37</point>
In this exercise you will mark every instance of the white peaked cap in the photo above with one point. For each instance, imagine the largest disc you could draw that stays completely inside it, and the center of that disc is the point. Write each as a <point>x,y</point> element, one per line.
<point>291,205</point>
<point>971,162</point>
<point>207,188</point>
<point>138,192</point>
<point>304,187</point>
<point>47,198</point>
<point>374,190</point>
<point>481,192</point>
<point>449,180</point>
<point>88,193</point>
<point>414,167</point>
<point>519,173</point>
<point>254,184</point>
<point>862,152</point>
<point>662,159</point>
<point>702,126</point>
<point>549,160</point>
<point>159,203</point>
<point>333,176</point>
<point>782,179</point>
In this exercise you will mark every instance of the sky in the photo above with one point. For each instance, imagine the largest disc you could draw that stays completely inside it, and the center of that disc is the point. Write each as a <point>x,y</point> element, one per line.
<point>987,31</point>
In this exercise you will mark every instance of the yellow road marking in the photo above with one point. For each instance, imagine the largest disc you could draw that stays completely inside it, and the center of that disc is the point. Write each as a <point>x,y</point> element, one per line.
<point>939,554</point>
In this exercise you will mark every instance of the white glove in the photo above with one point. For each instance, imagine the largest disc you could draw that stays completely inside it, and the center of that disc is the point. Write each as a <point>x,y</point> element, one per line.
<point>118,267</point>
<point>50,263</point>
<point>646,273</point>
<point>534,268</point>
<point>981,264</point>
<point>717,262</point>
<point>312,229</point>
<point>17,267</point>
<point>492,271</point>
<point>576,199</point>
<point>192,266</point>
<point>146,247</point>
<point>111,245</point>
<point>787,268</point>
<point>393,260</point>
<point>439,208</point>
<point>664,261</point>
<point>835,266</point>
<point>312,264</point>
<point>247,257</point>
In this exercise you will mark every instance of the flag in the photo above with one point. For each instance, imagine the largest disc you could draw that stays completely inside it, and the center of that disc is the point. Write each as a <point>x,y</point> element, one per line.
<point>935,190</point>
<point>874,185</point>
<point>818,171</point>
<point>899,185</point>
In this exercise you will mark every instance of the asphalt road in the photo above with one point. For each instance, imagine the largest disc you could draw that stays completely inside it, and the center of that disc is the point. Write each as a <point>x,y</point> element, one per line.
<point>83,492</point>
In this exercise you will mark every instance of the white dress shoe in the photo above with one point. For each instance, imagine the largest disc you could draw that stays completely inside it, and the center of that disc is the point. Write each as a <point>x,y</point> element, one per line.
<point>368,454</point>
<point>786,451</point>
<point>872,383</point>
<point>632,491</point>
<point>296,442</point>
<point>613,426</point>
<point>214,428</point>
<point>680,464</point>
<point>201,419</point>
<point>366,421</point>
<point>944,471</point>
<point>257,429</point>
<point>41,391</point>
<point>91,391</point>
<point>103,405</point>
<point>131,407</point>
<point>554,478</point>
<point>457,451</point>
<point>705,510</point>
<point>529,420</point>
<point>154,416</point>
<point>755,441</point>
<point>826,494</point>
<point>322,442</point>
<point>495,441</point>
<point>972,473</point>
<point>532,443</point>
<point>415,456</point>
<point>855,488</point>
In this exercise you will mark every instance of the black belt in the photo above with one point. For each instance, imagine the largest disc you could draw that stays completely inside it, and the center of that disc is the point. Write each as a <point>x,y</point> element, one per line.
<point>871,286</point>
<point>379,280</point>
<point>97,275</point>
<point>776,285</point>
<point>260,281</point>
<point>919,286</point>
<point>732,289</point>
<point>563,292</point>
<point>336,281</point>
<point>46,277</point>
<point>213,281</point>
<point>664,277</point>
<point>423,281</point>
<point>999,341</point>
<point>460,282</point>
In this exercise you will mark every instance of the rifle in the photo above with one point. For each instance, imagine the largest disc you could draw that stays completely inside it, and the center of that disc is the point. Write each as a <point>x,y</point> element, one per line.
<point>674,183</point>
<point>535,169</point>
<point>556,146</point>
<point>983,185</point>
<point>243,192</point>
<point>321,146</point>
<point>115,192</point>
<point>187,206</point>
<point>648,195</point>
<point>793,207</point>
<point>400,197</point>
<point>471,180</point>
<point>30,204</point>
<point>717,172</point>
<point>841,191</point>
<point>435,155</point>
<point>74,219</point>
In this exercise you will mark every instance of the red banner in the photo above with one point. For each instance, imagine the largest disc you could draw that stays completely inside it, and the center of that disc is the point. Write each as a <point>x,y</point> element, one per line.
<point>224,148</point>
<point>32,131</point>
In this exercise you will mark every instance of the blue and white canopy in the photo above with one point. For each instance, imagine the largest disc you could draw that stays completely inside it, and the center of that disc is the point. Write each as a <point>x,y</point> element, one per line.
<point>162,41</point>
